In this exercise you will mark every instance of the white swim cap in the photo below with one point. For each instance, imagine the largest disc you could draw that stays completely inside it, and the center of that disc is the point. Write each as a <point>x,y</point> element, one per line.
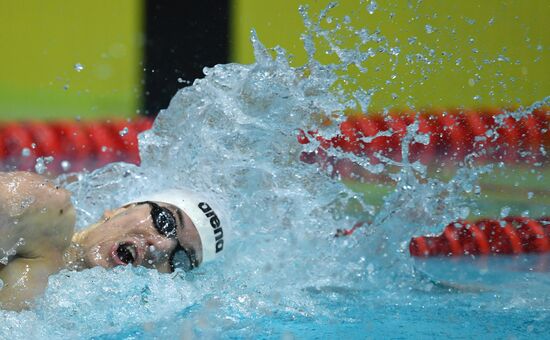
<point>200,210</point>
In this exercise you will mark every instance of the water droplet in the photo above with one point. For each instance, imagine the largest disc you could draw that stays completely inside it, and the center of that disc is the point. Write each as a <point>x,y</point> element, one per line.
<point>26,152</point>
<point>464,212</point>
<point>65,165</point>
<point>477,190</point>
<point>42,164</point>
<point>422,138</point>
<point>78,67</point>
<point>371,7</point>
<point>429,29</point>
<point>123,132</point>
<point>504,212</point>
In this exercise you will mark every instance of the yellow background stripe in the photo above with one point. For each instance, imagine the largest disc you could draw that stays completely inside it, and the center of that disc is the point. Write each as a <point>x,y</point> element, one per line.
<point>503,47</point>
<point>41,42</point>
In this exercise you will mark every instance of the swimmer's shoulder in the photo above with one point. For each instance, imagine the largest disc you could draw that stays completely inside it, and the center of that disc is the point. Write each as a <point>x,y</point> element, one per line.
<point>36,226</point>
<point>36,216</point>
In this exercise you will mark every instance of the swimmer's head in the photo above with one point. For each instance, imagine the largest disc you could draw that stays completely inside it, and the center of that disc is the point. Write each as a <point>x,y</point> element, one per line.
<point>203,214</point>
<point>166,230</point>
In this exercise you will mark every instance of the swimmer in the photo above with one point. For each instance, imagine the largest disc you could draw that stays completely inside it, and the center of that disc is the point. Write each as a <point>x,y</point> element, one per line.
<point>164,231</point>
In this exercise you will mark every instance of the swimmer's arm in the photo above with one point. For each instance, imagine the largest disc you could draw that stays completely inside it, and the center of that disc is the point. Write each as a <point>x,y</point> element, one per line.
<point>25,279</point>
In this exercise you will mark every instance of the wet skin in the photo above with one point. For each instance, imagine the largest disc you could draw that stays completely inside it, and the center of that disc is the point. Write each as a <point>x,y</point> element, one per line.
<point>128,235</point>
<point>37,238</point>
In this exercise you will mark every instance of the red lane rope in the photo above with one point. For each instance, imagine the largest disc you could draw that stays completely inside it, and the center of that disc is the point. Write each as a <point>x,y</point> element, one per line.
<point>18,149</point>
<point>510,235</point>
<point>73,145</point>
<point>452,135</point>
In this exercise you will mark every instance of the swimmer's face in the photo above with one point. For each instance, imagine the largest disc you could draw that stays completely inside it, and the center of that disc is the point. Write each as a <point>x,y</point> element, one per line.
<point>145,234</point>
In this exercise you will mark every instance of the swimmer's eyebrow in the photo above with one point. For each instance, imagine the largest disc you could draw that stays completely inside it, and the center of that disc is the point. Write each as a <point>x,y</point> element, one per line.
<point>180,216</point>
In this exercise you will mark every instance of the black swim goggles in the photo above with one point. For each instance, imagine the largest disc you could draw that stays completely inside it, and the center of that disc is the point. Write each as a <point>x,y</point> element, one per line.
<point>166,224</point>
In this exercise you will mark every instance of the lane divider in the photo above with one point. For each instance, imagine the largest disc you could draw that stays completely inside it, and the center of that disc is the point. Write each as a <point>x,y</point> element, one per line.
<point>452,135</point>
<point>74,146</point>
<point>510,235</point>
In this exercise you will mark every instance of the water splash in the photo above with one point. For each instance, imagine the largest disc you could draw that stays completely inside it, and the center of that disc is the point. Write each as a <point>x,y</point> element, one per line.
<point>232,135</point>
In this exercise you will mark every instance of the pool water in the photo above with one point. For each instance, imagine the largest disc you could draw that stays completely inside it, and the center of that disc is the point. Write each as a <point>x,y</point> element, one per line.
<point>433,315</point>
<point>500,298</point>
<point>233,136</point>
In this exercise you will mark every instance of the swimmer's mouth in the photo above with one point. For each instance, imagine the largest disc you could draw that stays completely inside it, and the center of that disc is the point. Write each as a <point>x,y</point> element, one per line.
<point>125,253</point>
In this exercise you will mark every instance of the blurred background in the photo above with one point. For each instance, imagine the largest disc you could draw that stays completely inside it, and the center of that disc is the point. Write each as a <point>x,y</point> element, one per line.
<point>104,59</point>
